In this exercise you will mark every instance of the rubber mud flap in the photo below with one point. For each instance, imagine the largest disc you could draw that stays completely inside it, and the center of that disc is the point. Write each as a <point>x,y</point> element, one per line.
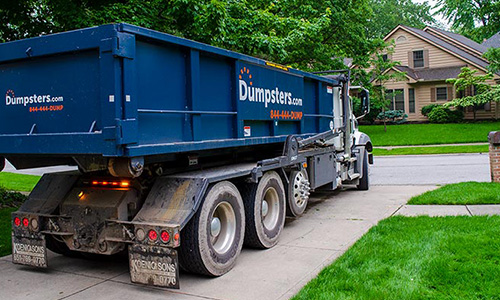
<point>29,251</point>
<point>153,265</point>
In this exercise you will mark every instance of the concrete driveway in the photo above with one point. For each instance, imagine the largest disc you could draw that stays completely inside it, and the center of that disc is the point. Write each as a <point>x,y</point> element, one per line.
<point>333,222</point>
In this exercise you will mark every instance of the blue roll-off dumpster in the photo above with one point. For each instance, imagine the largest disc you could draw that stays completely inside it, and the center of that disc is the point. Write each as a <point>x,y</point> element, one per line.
<point>125,91</point>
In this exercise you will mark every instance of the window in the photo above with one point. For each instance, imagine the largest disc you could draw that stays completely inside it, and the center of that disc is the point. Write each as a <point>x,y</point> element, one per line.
<point>397,99</point>
<point>442,93</point>
<point>418,59</point>
<point>385,57</point>
<point>411,100</point>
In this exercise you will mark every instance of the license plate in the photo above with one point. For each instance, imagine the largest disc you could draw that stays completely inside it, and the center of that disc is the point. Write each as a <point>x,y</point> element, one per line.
<point>31,252</point>
<point>154,265</point>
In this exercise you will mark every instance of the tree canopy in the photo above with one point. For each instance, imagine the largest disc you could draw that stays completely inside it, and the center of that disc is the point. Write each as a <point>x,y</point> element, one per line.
<point>306,34</point>
<point>387,14</point>
<point>476,19</point>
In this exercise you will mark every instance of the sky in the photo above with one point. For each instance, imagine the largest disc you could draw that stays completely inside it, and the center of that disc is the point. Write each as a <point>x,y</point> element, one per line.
<point>439,18</point>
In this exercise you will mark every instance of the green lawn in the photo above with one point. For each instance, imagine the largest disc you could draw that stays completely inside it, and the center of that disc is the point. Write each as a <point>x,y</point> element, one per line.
<point>432,150</point>
<point>18,182</point>
<point>416,258</point>
<point>464,193</point>
<point>429,134</point>
<point>5,231</point>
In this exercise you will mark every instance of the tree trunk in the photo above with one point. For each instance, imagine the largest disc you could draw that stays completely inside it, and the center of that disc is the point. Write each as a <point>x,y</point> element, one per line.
<point>383,106</point>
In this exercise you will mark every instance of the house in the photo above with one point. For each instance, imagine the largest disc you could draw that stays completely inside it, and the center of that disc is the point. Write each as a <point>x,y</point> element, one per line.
<point>428,57</point>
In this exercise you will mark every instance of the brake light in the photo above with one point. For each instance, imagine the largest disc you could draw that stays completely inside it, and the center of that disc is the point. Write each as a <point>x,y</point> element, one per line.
<point>125,184</point>
<point>26,222</point>
<point>165,236</point>
<point>176,236</point>
<point>107,183</point>
<point>152,235</point>
<point>17,221</point>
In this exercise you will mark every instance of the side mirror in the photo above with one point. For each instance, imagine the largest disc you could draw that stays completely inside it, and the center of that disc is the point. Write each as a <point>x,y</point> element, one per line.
<point>364,95</point>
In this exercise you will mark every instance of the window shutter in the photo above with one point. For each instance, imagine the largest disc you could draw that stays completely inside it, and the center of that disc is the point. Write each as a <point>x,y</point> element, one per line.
<point>410,59</point>
<point>449,93</point>
<point>426,58</point>
<point>433,94</point>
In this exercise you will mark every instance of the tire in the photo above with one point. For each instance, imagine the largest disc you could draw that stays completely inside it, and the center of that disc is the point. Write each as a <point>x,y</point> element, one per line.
<point>298,193</point>
<point>213,238</point>
<point>264,211</point>
<point>364,182</point>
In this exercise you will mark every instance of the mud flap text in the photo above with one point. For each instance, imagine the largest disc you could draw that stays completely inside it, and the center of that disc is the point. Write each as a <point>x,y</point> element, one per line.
<point>27,251</point>
<point>154,265</point>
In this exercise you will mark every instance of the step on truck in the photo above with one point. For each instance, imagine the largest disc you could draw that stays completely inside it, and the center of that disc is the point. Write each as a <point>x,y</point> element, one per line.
<point>185,152</point>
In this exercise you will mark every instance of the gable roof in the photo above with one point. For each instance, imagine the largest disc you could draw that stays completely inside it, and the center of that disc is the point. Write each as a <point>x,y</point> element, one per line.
<point>459,38</point>
<point>492,42</point>
<point>444,45</point>
<point>432,74</point>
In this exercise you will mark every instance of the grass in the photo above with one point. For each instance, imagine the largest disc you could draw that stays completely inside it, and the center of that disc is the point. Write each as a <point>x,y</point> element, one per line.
<point>18,182</point>
<point>416,258</point>
<point>432,150</point>
<point>429,134</point>
<point>5,231</point>
<point>465,193</point>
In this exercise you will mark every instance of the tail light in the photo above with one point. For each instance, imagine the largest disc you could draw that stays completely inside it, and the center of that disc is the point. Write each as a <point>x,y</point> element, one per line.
<point>152,235</point>
<point>26,222</point>
<point>165,237</point>
<point>17,221</point>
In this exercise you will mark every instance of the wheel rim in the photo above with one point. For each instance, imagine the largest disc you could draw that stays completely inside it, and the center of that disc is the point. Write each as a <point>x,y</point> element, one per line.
<point>300,190</point>
<point>270,208</point>
<point>223,227</point>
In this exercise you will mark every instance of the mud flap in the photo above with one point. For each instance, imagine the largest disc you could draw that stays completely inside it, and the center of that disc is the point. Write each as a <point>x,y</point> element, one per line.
<point>29,251</point>
<point>153,265</point>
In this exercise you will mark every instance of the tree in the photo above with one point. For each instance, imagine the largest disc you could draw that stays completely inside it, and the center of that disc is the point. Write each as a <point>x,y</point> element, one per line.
<point>467,80</point>
<point>306,34</point>
<point>476,19</point>
<point>387,14</point>
<point>493,56</point>
<point>381,73</point>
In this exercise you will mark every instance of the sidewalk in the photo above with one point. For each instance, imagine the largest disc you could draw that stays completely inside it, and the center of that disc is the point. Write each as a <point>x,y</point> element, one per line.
<point>448,210</point>
<point>437,145</point>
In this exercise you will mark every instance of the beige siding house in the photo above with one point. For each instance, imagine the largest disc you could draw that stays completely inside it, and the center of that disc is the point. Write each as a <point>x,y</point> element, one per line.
<point>429,57</point>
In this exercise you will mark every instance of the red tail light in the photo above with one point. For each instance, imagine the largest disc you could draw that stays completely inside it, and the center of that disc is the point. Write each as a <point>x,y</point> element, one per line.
<point>26,222</point>
<point>165,236</point>
<point>17,221</point>
<point>176,236</point>
<point>152,235</point>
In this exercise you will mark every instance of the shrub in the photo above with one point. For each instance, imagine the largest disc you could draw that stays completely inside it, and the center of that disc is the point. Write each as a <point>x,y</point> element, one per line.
<point>428,108</point>
<point>440,114</point>
<point>393,116</point>
<point>10,199</point>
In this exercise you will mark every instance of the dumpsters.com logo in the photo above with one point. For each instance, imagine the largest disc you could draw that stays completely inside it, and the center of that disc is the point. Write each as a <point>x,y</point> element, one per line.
<point>263,95</point>
<point>11,99</point>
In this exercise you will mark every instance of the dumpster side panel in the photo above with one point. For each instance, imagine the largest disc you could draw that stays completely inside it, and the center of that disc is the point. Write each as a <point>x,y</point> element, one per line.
<point>55,94</point>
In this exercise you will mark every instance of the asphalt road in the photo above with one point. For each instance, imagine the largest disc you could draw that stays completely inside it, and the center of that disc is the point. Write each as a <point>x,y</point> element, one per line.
<point>391,170</point>
<point>429,169</point>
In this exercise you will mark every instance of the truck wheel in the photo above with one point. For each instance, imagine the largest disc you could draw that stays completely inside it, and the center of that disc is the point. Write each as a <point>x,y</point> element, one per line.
<point>364,182</point>
<point>213,238</point>
<point>298,193</point>
<point>265,211</point>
